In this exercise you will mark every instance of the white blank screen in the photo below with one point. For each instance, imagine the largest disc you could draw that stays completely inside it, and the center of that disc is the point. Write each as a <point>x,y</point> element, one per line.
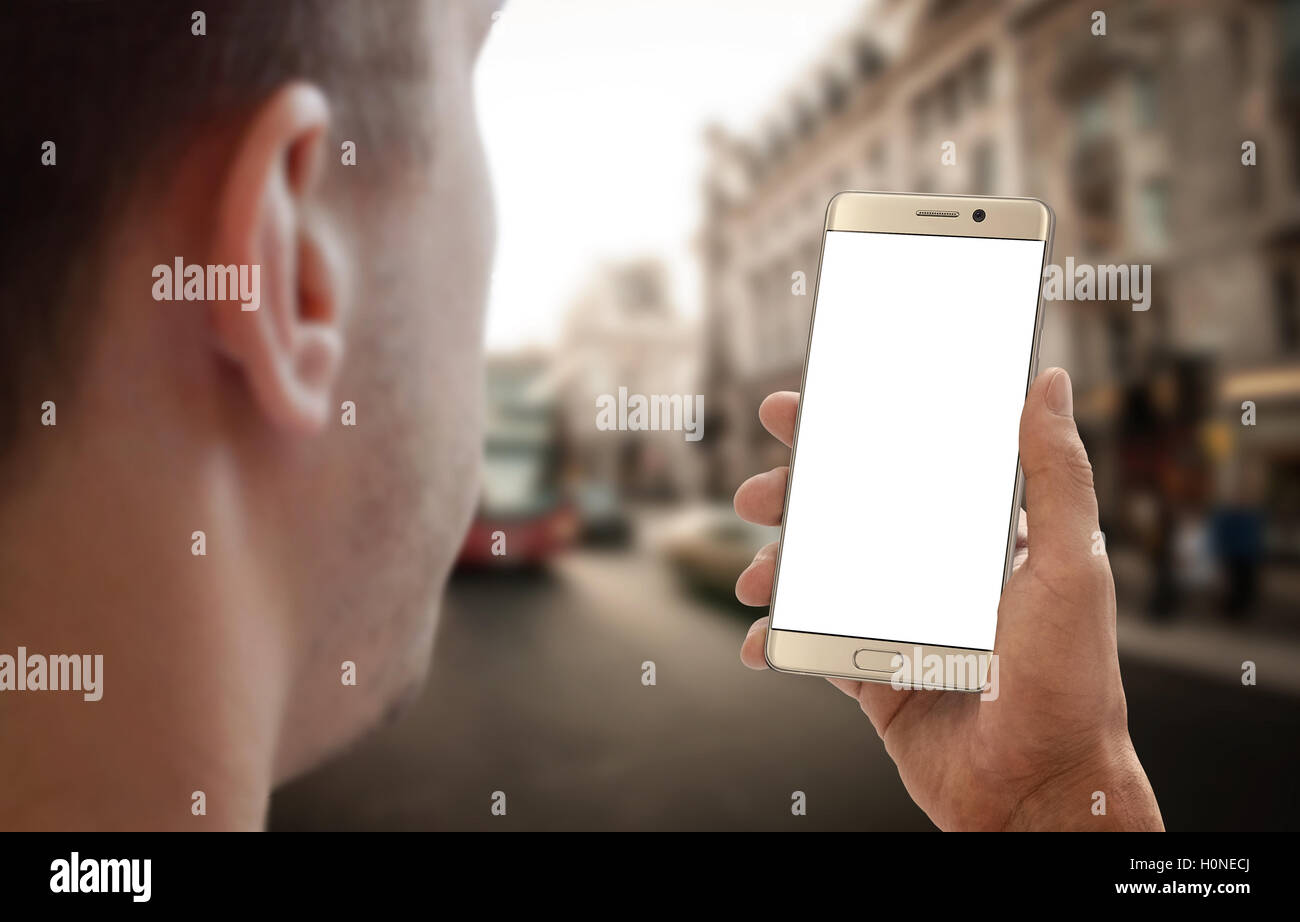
<point>905,465</point>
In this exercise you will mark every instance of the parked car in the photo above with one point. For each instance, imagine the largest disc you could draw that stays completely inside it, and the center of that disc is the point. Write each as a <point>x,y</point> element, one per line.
<point>602,518</point>
<point>709,546</point>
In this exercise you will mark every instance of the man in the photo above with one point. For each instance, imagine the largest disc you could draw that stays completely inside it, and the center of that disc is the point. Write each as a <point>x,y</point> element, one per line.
<point>324,544</point>
<point>241,281</point>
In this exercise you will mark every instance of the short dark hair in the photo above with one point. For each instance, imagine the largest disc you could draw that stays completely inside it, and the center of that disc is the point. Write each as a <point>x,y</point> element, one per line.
<point>116,84</point>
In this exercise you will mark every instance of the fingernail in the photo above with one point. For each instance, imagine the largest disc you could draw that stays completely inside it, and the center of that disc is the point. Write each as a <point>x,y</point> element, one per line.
<point>1060,396</point>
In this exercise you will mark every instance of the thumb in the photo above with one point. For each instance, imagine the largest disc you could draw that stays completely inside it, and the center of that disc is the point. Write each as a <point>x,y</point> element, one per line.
<point>1059,496</point>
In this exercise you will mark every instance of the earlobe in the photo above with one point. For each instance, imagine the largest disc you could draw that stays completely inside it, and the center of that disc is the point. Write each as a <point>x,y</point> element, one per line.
<point>290,346</point>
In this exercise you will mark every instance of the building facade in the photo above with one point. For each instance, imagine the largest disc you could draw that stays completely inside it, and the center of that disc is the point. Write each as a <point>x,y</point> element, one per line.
<point>1134,129</point>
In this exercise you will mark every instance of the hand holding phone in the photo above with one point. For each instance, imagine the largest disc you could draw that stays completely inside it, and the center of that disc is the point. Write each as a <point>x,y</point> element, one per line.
<point>1057,734</point>
<point>907,282</point>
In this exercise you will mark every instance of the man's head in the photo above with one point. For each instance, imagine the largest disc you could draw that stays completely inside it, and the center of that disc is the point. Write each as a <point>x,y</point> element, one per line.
<point>333,146</point>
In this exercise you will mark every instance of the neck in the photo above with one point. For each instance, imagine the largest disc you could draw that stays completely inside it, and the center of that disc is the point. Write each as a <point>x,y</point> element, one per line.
<point>96,558</point>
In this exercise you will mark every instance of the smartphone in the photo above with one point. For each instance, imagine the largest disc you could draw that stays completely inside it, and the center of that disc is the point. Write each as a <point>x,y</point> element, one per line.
<point>905,484</point>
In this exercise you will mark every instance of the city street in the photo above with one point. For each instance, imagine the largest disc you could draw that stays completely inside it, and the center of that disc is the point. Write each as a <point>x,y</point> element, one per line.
<point>536,691</point>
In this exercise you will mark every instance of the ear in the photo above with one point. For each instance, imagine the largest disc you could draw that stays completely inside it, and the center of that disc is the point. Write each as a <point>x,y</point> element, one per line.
<point>290,346</point>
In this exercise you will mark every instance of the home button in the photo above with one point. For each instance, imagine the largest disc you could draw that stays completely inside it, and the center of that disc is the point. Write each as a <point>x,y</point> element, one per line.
<point>875,660</point>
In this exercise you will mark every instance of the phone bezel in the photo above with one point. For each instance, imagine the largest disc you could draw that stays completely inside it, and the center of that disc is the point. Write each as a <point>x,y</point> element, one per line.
<point>893,212</point>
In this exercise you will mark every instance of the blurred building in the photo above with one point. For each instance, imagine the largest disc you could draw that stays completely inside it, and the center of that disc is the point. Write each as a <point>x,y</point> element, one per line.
<point>872,114</point>
<point>1135,138</point>
<point>624,332</point>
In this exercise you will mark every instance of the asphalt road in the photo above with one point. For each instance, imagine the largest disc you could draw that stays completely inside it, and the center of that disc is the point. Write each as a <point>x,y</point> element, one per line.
<point>536,691</point>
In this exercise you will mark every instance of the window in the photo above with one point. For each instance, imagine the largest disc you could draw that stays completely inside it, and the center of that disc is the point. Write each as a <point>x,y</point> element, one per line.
<point>1092,117</point>
<point>1286,310</point>
<point>950,99</point>
<point>1293,123</point>
<point>868,59</point>
<point>984,168</point>
<point>834,93</point>
<point>776,144</point>
<point>877,158</point>
<point>1291,42</point>
<point>978,78</point>
<point>1119,342</point>
<point>921,117</point>
<point>804,120</point>
<point>1154,214</point>
<point>1146,100</point>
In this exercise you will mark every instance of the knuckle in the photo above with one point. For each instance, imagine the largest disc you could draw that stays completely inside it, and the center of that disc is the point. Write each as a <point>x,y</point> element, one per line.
<point>1077,466</point>
<point>1095,575</point>
<point>1075,578</point>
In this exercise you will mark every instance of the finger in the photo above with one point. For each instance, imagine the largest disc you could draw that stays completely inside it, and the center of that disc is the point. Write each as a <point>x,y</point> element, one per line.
<point>1058,476</point>
<point>751,650</point>
<point>761,498</point>
<point>850,687</point>
<point>777,413</point>
<point>754,585</point>
<point>878,701</point>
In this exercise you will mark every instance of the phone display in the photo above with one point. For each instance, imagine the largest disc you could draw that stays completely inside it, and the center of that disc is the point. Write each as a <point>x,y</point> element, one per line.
<point>905,463</point>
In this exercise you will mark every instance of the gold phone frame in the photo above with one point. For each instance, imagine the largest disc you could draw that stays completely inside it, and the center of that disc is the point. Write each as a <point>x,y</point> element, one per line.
<point>904,213</point>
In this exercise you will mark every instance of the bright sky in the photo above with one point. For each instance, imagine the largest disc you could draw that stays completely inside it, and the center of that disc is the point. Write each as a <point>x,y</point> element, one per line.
<point>593,114</point>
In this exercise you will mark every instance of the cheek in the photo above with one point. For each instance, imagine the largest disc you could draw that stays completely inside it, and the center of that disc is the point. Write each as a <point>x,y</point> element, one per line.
<point>445,373</point>
<point>468,465</point>
<point>464,242</point>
